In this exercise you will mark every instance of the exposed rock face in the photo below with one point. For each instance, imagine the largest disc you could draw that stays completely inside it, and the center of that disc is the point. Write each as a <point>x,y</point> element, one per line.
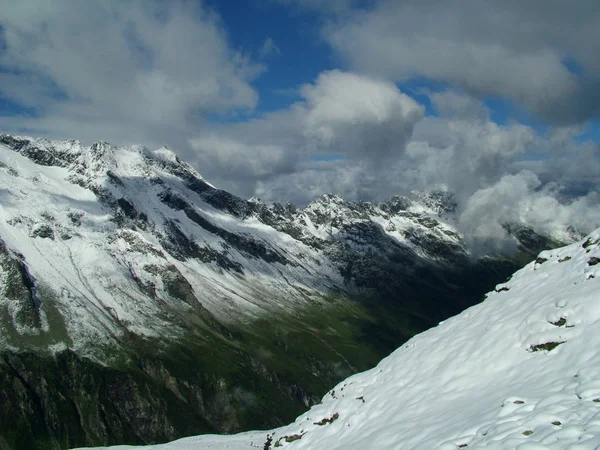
<point>140,304</point>
<point>65,401</point>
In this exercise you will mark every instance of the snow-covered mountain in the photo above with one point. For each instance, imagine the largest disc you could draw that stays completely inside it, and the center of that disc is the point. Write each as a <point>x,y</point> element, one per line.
<point>519,371</point>
<point>123,273</point>
<point>94,221</point>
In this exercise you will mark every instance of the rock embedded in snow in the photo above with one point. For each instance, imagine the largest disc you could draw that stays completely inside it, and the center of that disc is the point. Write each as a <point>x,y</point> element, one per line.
<point>42,230</point>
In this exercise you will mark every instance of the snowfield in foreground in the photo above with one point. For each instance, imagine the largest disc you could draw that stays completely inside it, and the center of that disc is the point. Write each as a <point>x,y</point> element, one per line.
<point>519,371</point>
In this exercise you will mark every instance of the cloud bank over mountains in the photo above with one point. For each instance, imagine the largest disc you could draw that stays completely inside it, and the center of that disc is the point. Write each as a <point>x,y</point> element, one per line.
<point>540,54</point>
<point>128,71</point>
<point>166,73</point>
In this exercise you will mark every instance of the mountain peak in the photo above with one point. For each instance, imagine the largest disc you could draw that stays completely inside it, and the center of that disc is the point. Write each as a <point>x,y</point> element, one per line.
<point>166,154</point>
<point>440,202</point>
<point>328,198</point>
<point>102,155</point>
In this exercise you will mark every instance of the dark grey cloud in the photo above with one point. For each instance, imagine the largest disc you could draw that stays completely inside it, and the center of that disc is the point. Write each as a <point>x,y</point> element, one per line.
<point>456,105</point>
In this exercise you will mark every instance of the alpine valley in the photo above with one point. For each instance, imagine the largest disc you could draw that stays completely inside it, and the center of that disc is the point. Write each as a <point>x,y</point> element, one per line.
<point>140,304</point>
<point>519,371</point>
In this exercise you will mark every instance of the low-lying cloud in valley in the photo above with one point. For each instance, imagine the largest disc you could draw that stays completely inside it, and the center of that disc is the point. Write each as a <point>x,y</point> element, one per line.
<point>158,73</point>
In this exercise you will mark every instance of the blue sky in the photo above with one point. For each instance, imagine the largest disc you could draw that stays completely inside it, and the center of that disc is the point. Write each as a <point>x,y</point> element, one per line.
<point>300,54</point>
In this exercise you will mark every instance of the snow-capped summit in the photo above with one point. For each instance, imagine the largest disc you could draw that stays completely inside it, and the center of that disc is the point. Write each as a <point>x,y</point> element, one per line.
<point>166,154</point>
<point>519,371</point>
<point>441,203</point>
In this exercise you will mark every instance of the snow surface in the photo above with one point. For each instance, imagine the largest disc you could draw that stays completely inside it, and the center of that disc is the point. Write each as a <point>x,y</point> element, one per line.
<point>90,264</point>
<point>474,381</point>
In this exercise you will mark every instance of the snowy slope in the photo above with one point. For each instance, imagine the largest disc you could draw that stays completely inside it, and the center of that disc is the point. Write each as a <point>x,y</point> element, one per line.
<point>107,232</point>
<point>519,371</point>
<point>98,230</point>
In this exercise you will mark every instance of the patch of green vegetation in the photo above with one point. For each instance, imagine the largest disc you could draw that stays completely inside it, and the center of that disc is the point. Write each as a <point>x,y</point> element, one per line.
<point>67,401</point>
<point>218,379</point>
<point>527,432</point>
<point>37,337</point>
<point>560,322</point>
<point>263,374</point>
<point>323,342</point>
<point>565,259</point>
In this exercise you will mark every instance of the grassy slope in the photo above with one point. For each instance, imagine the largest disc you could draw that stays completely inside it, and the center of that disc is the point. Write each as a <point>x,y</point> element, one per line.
<point>260,375</point>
